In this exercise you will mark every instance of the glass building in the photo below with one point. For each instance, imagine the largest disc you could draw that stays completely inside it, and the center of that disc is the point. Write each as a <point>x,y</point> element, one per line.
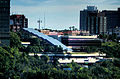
<point>92,20</point>
<point>4,22</point>
<point>78,43</point>
<point>112,19</point>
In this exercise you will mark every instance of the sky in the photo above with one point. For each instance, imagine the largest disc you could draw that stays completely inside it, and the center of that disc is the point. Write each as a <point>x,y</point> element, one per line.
<point>59,14</point>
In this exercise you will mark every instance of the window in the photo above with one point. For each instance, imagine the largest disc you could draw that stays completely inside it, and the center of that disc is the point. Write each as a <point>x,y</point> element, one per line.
<point>117,33</point>
<point>1,1</point>
<point>5,1</point>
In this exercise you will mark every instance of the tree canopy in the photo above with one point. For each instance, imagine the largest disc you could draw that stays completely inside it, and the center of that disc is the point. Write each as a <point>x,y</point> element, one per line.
<point>19,65</point>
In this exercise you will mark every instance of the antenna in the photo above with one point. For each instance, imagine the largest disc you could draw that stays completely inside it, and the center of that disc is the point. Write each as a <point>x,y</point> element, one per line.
<point>44,20</point>
<point>39,21</point>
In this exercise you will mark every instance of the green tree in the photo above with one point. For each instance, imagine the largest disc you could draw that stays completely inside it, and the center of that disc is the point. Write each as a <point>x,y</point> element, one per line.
<point>111,49</point>
<point>90,49</point>
<point>15,40</point>
<point>55,61</point>
<point>35,41</point>
<point>45,58</point>
<point>4,60</point>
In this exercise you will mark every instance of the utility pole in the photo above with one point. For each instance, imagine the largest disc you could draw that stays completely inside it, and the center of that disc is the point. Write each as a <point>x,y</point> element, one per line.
<point>39,21</point>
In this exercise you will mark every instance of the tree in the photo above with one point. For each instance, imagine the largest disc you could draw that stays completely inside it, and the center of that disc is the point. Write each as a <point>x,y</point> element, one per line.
<point>70,28</point>
<point>35,41</point>
<point>45,58</point>
<point>111,49</point>
<point>55,61</point>
<point>112,37</point>
<point>4,60</point>
<point>73,27</point>
<point>8,61</point>
<point>90,49</point>
<point>104,37</point>
<point>15,40</point>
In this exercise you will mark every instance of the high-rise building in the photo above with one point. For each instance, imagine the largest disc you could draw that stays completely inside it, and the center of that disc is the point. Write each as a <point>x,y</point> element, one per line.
<point>92,21</point>
<point>4,22</point>
<point>112,19</point>
<point>102,25</point>
<point>92,8</point>
<point>17,22</point>
<point>88,18</point>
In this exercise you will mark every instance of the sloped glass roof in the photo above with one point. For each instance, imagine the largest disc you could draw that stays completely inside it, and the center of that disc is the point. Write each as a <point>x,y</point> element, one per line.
<point>50,40</point>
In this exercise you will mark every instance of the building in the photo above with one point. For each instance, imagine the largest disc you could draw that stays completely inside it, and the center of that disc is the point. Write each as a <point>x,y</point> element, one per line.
<point>102,25</point>
<point>82,59</point>
<point>29,32</point>
<point>84,33</point>
<point>78,43</point>
<point>17,22</point>
<point>72,33</point>
<point>4,22</point>
<point>87,17</point>
<point>46,32</point>
<point>91,20</point>
<point>116,31</point>
<point>112,19</point>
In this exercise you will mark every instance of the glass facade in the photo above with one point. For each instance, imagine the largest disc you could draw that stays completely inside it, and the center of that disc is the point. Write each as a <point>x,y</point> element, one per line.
<point>4,22</point>
<point>88,20</point>
<point>112,19</point>
<point>79,43</point>
<point>93,21</point>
